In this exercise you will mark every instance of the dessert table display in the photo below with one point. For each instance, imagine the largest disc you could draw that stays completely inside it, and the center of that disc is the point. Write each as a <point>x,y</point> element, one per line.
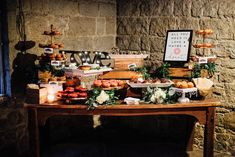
<point>91,88</point>
<point>203,111</point>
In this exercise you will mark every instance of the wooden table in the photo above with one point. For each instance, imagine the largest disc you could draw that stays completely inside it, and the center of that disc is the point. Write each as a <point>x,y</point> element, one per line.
<point>203,111</point>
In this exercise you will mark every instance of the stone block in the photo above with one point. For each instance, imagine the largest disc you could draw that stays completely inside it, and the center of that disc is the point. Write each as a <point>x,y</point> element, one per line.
<point>223,28</point>
<point>210,9</point>
<point>230,92</point>
<point>197,8</point>
<point>123,8</point>
<point>38,7</point>
<point>107,9</point>
<point>226,8</point>
<point>79,43</point>
<point>110,26</point>
<point>159,26</point>
<point>122,42</point>
<point>104,43</point>
<point>35,26</point>
<point>133,26</point>
<point>219,90</point>
<point>220,119</point>
<point>134,43</point>
<point>107,1</point>
<point>89,8</point>
<point>157,44</point>
<point>182,8</point>
<point>121,26</point>
<point>222,145</point>
<point>229,120</point>
<point>62,7</point>
<point>101,26</point>
<point>134,8</point>
<point>228,63</point>
<point>225,48</point>
<point>227,75</point>
<point>156,57</point>
<point>26,6</point>
<point>82,26</point>
<point>162,7</point>
<point>232,55</point>
<point>145,8</point>
<point>145,43</point>
<point>188,23</point>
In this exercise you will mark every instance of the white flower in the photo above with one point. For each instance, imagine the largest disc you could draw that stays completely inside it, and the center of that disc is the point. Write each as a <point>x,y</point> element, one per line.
<point>159,96</point>
<point>171,92</point>
<point>153,99</point>
<point>102,97</point>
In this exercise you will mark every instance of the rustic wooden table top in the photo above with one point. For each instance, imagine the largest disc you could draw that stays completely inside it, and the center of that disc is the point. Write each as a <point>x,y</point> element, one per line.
<point>121,105</point>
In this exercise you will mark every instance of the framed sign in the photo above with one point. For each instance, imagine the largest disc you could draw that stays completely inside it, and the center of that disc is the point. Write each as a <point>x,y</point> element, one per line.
<point>177,46</point>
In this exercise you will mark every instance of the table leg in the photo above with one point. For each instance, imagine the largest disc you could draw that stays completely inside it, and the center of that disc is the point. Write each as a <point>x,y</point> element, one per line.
<point>209,133</point>
<point>191,127</point>
<point>34,142</point>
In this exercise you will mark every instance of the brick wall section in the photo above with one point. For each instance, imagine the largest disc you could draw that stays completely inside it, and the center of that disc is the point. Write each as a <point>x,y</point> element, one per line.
<point>142,26</point>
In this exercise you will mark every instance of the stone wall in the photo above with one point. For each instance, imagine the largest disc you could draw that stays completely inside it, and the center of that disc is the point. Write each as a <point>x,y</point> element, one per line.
<point>142,26</point>
<point>13,130</point>
<point>85,25</point>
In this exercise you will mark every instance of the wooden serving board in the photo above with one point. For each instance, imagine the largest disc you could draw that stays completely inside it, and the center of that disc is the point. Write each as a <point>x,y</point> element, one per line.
<point>121,75</point>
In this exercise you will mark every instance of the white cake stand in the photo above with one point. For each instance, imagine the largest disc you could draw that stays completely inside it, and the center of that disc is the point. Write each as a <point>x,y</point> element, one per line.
<point>183,91</point>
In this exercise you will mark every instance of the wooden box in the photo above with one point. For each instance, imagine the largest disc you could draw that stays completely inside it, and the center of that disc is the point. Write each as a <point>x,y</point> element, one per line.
<point>36,96</point>
<point>121,62</point>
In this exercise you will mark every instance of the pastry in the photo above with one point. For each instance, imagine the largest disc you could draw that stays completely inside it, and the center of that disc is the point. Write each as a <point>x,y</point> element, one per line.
<point>190,85</point>
<point>208,31</point>
<point>84,67</point>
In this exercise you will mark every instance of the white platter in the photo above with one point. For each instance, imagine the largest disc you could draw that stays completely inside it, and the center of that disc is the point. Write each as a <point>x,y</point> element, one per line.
<point>144,85</point>
<point>78,72</point>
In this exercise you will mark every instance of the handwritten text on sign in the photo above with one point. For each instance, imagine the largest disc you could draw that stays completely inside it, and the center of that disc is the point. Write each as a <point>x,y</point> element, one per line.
<point>177,46</point>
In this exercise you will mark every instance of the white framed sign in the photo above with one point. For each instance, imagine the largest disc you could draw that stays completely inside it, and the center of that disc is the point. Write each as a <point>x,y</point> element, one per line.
<point>178,45</point>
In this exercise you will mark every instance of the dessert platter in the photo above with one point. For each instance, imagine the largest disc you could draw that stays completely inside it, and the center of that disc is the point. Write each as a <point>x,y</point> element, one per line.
<point>109,84</point>
<point>140,83</point>
<point>86,70</point>
<point>183,87</point>
<point>72,94</point>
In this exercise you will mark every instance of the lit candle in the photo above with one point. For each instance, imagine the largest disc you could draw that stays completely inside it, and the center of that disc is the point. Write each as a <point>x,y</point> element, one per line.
<point>50,98</point>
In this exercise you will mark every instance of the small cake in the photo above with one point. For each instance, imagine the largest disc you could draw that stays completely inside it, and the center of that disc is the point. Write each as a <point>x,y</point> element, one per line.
<point>84,67</point>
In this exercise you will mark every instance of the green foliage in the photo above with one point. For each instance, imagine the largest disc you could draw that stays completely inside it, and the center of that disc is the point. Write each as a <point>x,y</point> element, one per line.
<point>48,67</point>
<point>142,70</point>
<point>163,71</point>
<point>58,72</point>
<point>211,67</point>
<point>196,71</point>
<point>95,92</point>
<point>45,67</point>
